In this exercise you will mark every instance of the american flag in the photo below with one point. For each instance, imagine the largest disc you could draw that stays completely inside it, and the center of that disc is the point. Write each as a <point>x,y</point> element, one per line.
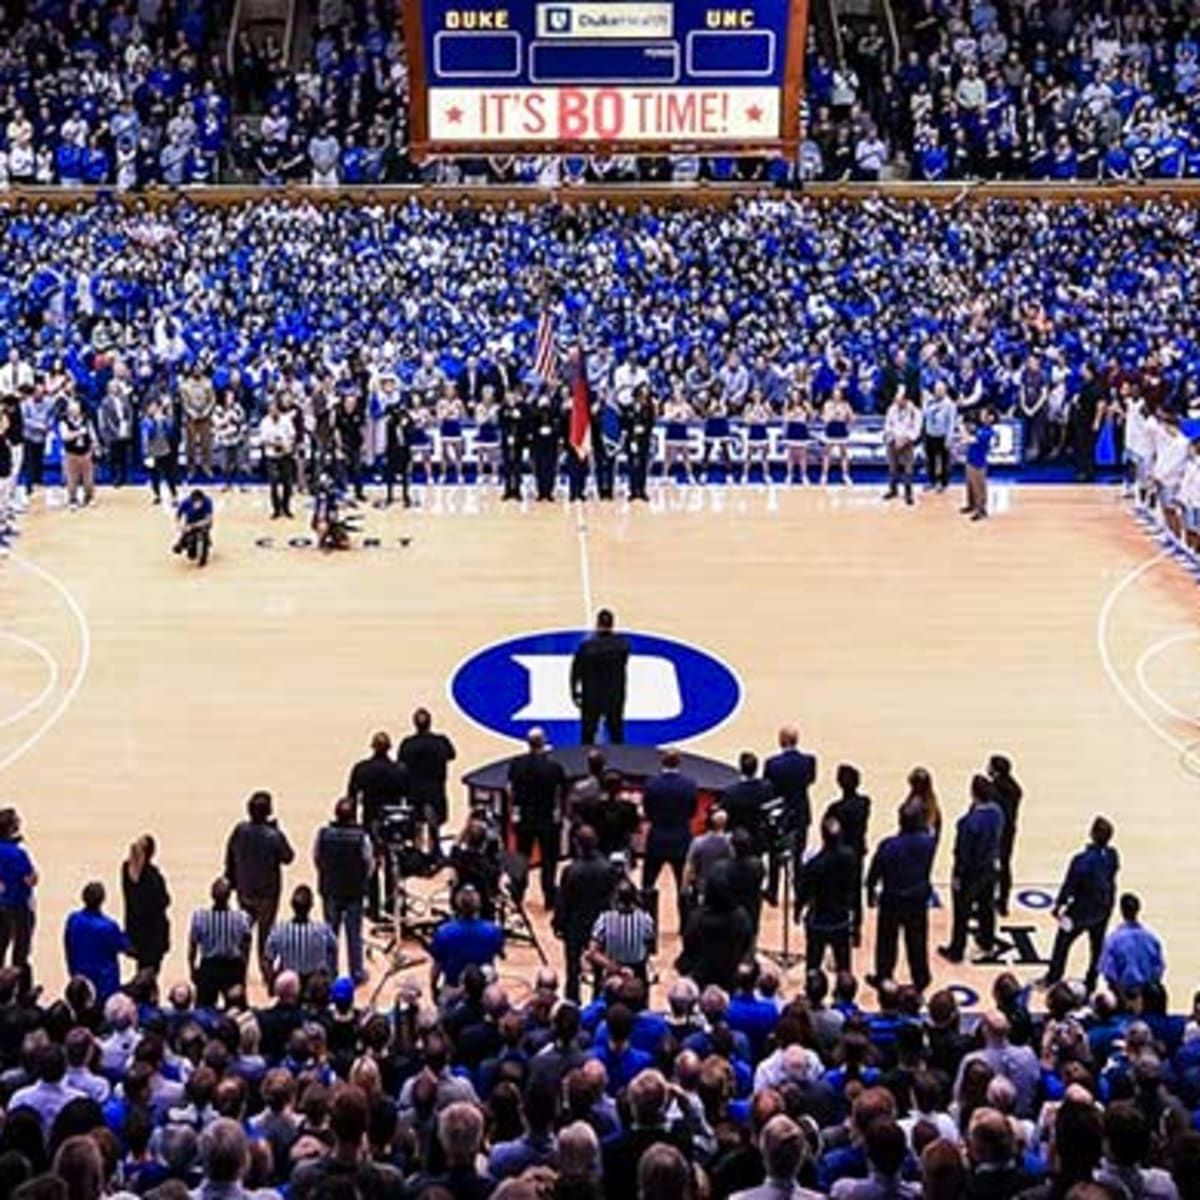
<point>545,357</point>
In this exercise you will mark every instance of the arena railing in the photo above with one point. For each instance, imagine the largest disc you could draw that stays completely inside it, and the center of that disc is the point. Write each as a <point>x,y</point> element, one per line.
<point>702,194</point>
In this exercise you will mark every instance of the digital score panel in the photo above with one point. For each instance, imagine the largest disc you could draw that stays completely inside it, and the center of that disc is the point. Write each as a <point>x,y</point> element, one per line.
<point>605,75</point>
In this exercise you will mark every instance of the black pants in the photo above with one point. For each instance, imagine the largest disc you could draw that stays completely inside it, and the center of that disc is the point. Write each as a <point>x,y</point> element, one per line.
<point>1063,941</point>
<point>216,978</point>
<point>545,470</point>
<point>35,463</point>
<point>797,840</point>
<point>262,911</point>
<point>118,461</point>
<point>611,712</point>
<point>574,945</point>
<point>639,470</point>
<point>1006,880</point>
<point>163,469</point>
<point>911,918</point>
<point>975,897</point>
<point>606,476</point>
<point>16,930</point>
<point>652,866</point>
<point>818,940</point>
<point>196,544</point>
<point>545,837</point>
<point>510,470</point>
<point>937,461</point>
<point>281,474</point>
<point>577,473</point>
<point>398,465</point>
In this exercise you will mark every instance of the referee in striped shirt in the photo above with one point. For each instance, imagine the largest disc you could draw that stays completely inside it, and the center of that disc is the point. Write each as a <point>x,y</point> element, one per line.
<point>301,944</point>
<point>624,936</point>
<point>218,947</point>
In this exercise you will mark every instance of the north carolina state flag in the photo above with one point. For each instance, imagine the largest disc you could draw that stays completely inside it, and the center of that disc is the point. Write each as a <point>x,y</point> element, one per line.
<point>581,417</point>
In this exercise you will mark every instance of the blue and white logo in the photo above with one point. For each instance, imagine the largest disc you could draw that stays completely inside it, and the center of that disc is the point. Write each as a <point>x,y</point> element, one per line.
<point>675,691</point>
<point>558,20</point>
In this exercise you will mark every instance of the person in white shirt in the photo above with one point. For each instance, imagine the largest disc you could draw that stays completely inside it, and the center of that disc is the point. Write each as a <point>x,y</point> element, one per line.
<point>277,437</point>
<point>1170,462</point>
<point>626,379</point>
<point>1140,429</point>
<point>1189,498</point>
<point>901,428</point>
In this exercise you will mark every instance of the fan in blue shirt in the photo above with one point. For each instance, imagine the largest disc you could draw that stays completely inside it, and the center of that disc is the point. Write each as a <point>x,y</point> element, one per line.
<point>465,941</point>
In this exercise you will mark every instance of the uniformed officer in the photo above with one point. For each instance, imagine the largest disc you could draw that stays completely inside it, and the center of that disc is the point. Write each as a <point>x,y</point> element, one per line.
<point>513,435</point>
<point>638,423</point>
<point>545,428</point>
<point>606,442</point>
<point>398,430</point>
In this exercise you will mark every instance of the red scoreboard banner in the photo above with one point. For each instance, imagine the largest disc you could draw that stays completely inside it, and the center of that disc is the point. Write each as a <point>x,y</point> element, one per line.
<point>542,76</point>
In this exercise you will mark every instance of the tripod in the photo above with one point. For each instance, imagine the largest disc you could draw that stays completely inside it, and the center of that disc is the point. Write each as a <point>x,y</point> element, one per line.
<point>399,927</point>
<point>784,958</point>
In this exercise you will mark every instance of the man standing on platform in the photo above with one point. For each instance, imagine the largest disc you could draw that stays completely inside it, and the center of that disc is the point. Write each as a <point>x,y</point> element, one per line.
<point>978,839</point>
<point>669,805</point>
<point>791,773</point>
<point>426,754</point>
<point>537,787</point>
<point>598,680</point>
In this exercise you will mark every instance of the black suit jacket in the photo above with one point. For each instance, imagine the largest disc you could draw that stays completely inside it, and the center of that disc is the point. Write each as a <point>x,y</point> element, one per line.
<point>669,804</point>
<point>599,668</point>
<point>376,783</point>
<point>743,802</point>
<point>583,894</point>
<point>426,756</point>
<point>791,773</point>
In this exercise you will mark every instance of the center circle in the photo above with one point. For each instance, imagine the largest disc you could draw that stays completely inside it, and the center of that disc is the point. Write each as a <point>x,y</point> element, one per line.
<point>675,691</point>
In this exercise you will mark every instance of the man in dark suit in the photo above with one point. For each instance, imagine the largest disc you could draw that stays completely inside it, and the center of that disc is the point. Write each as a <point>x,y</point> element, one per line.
<point>826,894</point>
<point>791,773</point>
<point>977,844</point>
<point>537,787</point>
<point>650,1125</point>
<point>426,754</point>
<point>377,783</point>
<point>743,802</point>
<point>1085,903</point>
<point>669,805</point>
<point>583,894</point>
<point>471,381</point>
<point>598,676</point>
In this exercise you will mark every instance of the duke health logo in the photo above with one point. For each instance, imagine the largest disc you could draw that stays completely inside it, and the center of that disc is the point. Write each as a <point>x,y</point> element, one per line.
<point>675,691</point>
<point>558,20</point>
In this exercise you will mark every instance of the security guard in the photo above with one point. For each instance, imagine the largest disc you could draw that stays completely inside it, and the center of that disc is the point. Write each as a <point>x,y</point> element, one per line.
<point>398,428</point>
<point>545,428</point>
<point>638,424</point>
<point>514,424</point>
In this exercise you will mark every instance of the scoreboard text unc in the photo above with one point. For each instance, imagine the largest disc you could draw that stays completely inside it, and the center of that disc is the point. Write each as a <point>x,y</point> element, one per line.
<point>584,75</point>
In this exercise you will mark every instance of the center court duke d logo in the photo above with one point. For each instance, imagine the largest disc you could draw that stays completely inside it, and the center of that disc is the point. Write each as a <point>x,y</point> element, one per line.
<point>675,692</point>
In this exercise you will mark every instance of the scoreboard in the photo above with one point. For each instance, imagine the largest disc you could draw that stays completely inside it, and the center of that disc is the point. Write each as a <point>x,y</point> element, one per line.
<point>543,76</point>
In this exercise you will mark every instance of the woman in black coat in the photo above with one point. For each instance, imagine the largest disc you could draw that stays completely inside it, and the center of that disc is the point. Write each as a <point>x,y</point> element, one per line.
<point>146,904</point>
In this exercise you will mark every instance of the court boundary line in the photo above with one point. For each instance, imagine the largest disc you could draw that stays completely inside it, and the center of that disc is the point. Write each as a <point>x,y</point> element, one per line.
<point>585,566</point>
<point>81,670</point>
<point>31,706</point>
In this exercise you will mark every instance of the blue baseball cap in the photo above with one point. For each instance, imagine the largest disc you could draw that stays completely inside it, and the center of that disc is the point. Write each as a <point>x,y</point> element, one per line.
<point>342,991</point>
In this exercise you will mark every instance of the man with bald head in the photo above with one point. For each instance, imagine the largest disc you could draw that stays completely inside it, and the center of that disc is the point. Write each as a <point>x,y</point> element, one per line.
<point>537,788</point>
<point>791,773</point>
<point>1018,1064</point>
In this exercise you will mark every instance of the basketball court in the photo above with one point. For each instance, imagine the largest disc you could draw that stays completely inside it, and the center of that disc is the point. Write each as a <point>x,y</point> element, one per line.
<point>139,694</point>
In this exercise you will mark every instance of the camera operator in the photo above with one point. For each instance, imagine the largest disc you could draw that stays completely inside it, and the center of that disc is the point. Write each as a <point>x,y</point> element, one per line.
<point>475,861</point>
<point>377,783</point>
<point>426,754</point>
<point>583,894</point>
<point>343,857</point>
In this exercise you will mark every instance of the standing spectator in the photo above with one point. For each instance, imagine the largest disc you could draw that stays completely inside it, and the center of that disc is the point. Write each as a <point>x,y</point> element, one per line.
<point>218,947</point>
<point>718,937</point>
<point>537,787</point>
<point>147,900</point>
<point>199,403</point>
<point>51,1093</point>
<point>940,416</point>
<point>583,895</point>
<point>94,943</point>
<point>277,437</point>
<point>669,806</point>
<point>901,431</point>
<point>427,754</point>
<point>18,878</point>
<point>825,898</point>
<point>978,448</point>
<point>899,879</point>
<point>977,843</point>
<point>116,423</point>
<point>37,416</point>
<point>784,1153</point>
<point>158,446</point>
<point>344,860</point>
<point>229,438</point>
<point>1133,955</point>
<point>255,855</point>
<point>301,945</point>
<point>852,811</point>
<point>467,940</point>
<point>791,773</point>
<point>79,454</point>
<point>1128,1143</point>
<point>1084,903</point>
<point>1008,795</point>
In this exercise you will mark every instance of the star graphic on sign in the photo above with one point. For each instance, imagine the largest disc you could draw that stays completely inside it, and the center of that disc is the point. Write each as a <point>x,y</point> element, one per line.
<point>754,113</point>
<point>454,115</point>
